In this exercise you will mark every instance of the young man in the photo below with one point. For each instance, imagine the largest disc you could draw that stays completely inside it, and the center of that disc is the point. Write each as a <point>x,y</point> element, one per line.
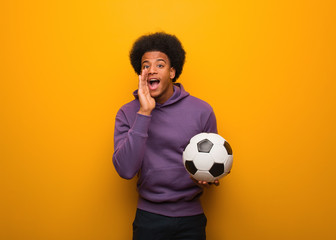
<point>150,135</point>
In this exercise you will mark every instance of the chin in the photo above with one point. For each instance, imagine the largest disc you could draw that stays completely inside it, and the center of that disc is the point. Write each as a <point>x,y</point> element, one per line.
<point>155,95</point>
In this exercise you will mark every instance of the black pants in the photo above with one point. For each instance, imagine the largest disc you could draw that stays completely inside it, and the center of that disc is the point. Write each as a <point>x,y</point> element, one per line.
<point>150,226</point>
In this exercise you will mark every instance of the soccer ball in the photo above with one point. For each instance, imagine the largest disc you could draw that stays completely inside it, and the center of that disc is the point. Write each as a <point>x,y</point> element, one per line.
<point>208,157</point>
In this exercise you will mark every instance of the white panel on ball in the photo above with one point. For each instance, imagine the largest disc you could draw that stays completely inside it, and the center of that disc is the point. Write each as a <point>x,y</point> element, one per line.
<point>215,138</point>
<point>228,164</point>
<point>219,154</point>
<point>204,176</point>
<point>190,152</point>
<point>203,161</point>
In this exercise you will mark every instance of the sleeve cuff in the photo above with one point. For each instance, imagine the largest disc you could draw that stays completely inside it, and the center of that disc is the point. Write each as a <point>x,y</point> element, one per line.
<point>141,124</point>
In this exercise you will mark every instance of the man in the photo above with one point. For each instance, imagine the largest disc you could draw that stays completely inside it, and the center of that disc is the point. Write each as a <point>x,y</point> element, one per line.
<point>150,135</point>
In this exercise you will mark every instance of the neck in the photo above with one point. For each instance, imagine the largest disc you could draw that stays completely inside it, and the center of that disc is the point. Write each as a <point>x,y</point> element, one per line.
<point>164,97</point>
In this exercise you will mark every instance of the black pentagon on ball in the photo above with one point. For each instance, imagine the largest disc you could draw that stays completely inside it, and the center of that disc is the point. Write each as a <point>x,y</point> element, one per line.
<point>204,146</point>
<point>228,148</point>
<point>217,169</point>
<point>190,166</point>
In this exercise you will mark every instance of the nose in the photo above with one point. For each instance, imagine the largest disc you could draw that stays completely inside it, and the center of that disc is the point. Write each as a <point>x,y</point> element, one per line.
<point>152,70</point>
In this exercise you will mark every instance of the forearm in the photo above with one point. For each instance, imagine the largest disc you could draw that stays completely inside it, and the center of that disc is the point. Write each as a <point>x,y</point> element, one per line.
<point>130,146</point>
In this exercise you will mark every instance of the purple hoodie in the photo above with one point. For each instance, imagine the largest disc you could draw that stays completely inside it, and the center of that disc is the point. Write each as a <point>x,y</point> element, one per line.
<point>152,147</point>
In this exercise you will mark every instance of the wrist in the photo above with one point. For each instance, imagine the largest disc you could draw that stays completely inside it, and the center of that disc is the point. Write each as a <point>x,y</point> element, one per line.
<point>145,112</point>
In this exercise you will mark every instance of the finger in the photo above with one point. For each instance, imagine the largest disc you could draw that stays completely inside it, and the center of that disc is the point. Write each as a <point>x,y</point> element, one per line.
<point>141,85</point>
<point>204,183</point>
<point>201,183</point>
<point>143,78</point>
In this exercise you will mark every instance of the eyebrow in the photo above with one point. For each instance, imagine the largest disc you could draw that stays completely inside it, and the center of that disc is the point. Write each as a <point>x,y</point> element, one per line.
<point>157,60</point>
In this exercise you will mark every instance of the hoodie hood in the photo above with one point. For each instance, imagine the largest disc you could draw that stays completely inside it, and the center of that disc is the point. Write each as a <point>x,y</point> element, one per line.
<point>179,93</point>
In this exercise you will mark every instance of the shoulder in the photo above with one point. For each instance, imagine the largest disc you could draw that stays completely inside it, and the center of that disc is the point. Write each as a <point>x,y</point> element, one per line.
<point>130,106</point>
<point>190,100</point>
<point>198,103</point>
<point>128,111</point>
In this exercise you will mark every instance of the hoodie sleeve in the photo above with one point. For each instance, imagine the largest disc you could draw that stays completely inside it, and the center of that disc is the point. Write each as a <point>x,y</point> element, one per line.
<point>211,123</point>
<point>129,144</point>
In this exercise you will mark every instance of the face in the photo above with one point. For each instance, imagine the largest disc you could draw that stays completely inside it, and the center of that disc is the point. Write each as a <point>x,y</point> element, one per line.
<point>160,75</point>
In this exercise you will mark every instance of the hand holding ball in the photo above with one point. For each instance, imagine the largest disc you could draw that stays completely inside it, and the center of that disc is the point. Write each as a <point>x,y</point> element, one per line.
<point>208,157</point>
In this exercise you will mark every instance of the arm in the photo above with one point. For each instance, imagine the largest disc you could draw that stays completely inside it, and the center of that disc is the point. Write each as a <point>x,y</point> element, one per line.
<point>211,124</point>
<point>129,144</point>
<point>130,141</point>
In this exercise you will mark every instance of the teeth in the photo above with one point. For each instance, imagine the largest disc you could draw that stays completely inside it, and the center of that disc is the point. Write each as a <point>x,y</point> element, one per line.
<point>153,81</point>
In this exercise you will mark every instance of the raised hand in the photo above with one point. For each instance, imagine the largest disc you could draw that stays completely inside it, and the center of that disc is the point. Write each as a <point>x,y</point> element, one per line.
<point>147,103</point>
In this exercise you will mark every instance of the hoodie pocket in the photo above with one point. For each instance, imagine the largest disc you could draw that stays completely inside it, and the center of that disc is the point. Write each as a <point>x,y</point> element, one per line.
<point>168,185</point>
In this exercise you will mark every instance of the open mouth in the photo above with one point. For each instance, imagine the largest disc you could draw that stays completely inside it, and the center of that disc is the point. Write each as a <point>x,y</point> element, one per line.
<point>153,83</point>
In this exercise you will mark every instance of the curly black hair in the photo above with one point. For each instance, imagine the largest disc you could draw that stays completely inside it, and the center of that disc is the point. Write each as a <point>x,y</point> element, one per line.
<point>160,41</point>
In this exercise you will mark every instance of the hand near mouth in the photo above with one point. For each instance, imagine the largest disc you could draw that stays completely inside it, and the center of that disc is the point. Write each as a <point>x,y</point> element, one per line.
<point>147,103</point>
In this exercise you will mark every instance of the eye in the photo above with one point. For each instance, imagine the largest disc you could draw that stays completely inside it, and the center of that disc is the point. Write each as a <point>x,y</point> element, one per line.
<point>145,66</point>
<point>160,66</point>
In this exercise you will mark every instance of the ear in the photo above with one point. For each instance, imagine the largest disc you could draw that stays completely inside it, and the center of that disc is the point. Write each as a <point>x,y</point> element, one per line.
<point>172,73</point>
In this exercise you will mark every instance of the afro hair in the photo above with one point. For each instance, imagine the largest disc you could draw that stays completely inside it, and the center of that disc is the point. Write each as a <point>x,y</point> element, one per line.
<point>162,42</point>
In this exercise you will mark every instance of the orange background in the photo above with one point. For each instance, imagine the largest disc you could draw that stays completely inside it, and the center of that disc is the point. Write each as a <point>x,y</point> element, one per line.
<point>266,67</point>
